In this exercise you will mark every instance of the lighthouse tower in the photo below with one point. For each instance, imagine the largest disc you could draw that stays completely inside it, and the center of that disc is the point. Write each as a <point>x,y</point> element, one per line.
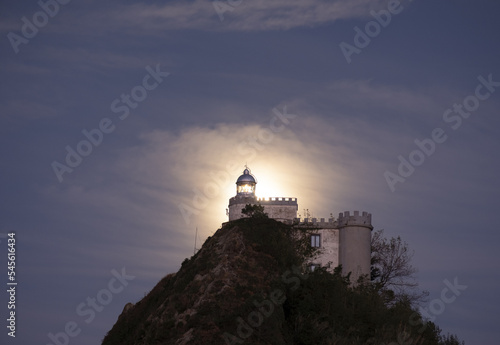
<point>245,194</point>
<point>281,209</point>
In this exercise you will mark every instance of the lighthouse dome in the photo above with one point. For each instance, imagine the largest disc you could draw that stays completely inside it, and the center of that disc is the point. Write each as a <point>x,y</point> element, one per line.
<point>245,185</point>
<point>246,177</point>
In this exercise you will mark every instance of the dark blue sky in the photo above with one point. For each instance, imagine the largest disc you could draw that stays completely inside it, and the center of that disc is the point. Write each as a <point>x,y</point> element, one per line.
<point>119,207</point>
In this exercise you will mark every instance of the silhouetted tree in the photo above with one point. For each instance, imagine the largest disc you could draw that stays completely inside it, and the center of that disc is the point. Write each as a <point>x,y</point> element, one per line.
<point>254,211</point>
<point>392,270</point>
<point>450,339</point>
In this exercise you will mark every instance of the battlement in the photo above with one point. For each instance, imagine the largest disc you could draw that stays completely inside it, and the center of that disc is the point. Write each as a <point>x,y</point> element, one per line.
<point>263,201</point>
<point>277,201</point>
<point>329,223</point>
<point>346,219</point>
<point>281,209</point>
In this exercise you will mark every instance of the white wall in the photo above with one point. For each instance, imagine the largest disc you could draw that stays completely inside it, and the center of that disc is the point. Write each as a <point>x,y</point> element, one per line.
<point>329,250</point>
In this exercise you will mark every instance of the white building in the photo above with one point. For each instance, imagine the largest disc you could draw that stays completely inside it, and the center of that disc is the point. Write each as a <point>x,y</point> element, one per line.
<point>343,241</point>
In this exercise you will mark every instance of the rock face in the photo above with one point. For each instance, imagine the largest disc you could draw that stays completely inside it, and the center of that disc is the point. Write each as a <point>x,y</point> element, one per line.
<point>228,279</point>
<point>247,286</point>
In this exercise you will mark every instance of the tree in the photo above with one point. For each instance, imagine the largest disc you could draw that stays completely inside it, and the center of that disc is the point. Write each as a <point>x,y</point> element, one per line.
<point>450,339</point>
<point>255,211</point>
<point>392,271</point>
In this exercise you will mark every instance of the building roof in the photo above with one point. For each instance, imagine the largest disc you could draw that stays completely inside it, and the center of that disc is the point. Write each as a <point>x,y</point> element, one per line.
<point>247,177</point>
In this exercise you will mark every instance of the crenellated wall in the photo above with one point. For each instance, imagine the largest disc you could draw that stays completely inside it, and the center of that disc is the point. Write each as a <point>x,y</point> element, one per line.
<point>277,201</point>
<point>344,241</point>
<point>281,209</point>
<point>330,223</point>
<point>364,219</point>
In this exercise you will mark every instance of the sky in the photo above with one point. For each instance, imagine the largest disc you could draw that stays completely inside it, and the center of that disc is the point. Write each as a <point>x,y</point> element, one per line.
<point>125,124</point>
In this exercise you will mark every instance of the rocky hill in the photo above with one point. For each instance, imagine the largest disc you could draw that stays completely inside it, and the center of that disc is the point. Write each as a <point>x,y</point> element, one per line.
<point>247,284</point>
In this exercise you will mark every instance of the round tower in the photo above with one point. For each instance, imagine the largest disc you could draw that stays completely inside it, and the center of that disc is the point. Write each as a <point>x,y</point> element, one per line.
<point>355,243</point>
<point>245,194</point>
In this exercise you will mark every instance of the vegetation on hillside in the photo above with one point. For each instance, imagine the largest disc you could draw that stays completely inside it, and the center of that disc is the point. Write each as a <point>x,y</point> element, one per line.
<point>247,285</point>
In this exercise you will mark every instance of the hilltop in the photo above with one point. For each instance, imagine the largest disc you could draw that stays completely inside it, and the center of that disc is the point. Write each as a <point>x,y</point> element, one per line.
<point>248,284</point>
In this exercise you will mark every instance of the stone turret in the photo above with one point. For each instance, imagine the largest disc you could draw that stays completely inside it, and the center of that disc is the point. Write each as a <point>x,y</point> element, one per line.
<point>355,243</point>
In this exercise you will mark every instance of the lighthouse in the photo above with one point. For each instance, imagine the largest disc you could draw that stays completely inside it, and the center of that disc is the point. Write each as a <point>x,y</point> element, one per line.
<point>343,241</point>
<point>282,209</point>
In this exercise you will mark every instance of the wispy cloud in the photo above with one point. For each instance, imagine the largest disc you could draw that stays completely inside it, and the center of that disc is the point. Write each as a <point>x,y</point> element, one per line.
<point>249,15</point>
<point>366,93</point>
<point>169,169</point>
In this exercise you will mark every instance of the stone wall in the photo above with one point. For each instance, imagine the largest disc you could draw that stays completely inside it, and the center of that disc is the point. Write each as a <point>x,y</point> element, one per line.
<point>329,249</point>
<point>281,209</point>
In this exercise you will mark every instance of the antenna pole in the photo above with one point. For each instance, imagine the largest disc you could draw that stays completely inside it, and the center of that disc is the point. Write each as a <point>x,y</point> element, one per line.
<point>195,237</point>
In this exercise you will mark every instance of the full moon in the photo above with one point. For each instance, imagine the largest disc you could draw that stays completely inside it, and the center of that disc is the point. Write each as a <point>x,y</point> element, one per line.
<point>269,183</point>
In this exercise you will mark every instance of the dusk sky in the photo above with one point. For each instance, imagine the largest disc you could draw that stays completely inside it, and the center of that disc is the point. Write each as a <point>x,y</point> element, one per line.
<point>125,124</point>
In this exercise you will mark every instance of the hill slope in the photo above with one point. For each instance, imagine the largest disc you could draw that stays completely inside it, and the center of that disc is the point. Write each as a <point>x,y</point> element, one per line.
<point>246,285</point>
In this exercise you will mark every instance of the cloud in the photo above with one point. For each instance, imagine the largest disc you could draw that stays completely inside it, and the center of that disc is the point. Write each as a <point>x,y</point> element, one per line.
<point>366,93</point>
<point>145,185</point>
<point>198,166</point>
<point>245,16</point>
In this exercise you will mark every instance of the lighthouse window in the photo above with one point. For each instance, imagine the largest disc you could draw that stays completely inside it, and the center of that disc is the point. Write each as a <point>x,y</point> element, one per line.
<point>246,188</point>
<point>315,241</point>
